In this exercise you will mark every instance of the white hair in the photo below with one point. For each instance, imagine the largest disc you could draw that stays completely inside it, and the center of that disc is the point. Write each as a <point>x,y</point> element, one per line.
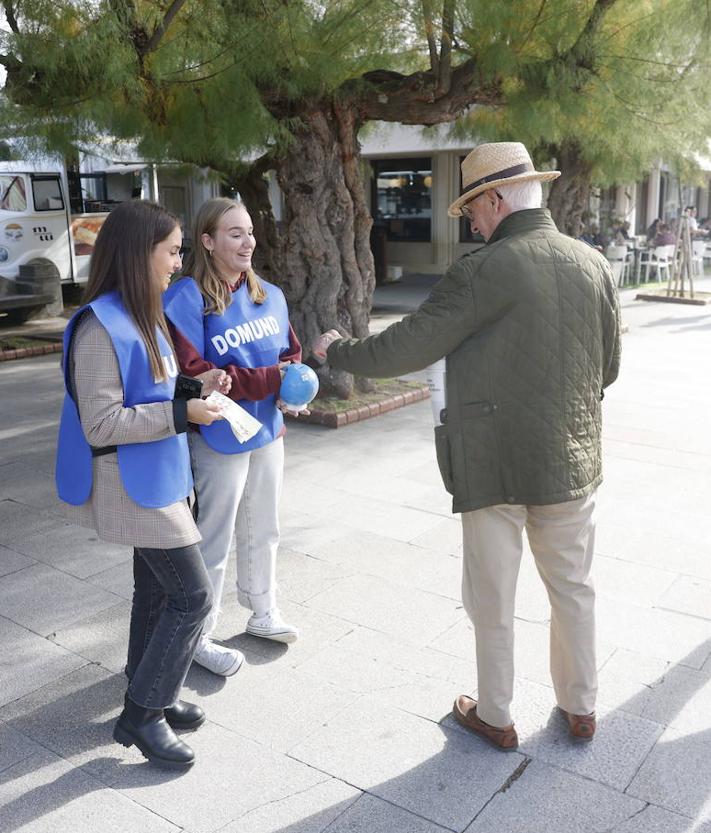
<point>521,195</point>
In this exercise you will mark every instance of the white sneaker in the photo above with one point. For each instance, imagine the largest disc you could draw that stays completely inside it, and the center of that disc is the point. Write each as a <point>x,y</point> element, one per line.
<point>218,658</point>
<point>272,626</point>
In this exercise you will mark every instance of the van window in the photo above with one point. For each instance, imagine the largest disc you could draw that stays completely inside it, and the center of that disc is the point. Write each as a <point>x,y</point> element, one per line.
<point>47,193</point>
<point>12,193</point>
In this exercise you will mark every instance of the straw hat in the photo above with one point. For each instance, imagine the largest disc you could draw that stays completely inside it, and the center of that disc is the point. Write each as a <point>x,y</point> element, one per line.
<point>495,164</point>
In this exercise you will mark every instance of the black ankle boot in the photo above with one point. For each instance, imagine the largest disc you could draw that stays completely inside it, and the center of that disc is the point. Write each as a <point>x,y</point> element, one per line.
<point>148,730</point>
<point>184,716</point>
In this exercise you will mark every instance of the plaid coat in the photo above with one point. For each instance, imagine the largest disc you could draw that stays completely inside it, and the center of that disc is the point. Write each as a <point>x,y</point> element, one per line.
<point>99,395</point>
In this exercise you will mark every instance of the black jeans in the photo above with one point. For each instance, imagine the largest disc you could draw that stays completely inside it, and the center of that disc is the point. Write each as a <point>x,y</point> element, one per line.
<point>172,596</point>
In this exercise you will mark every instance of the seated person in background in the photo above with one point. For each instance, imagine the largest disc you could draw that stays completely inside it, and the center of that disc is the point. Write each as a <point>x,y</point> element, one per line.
<point>593,238</point>
<point>622,233</point>
<point>664,236</point>
<point>652,230</point>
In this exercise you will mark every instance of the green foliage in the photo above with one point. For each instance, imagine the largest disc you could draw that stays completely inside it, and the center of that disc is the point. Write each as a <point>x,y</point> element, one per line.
<point>639,94</point>
<point>228,78</point>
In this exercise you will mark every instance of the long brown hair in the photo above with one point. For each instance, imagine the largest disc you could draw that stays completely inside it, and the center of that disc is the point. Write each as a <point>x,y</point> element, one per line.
<point>121,261</point>
<point>199,264</point>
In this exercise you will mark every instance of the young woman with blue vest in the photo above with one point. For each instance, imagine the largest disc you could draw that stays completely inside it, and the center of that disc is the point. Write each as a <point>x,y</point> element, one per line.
<point>123,466</point>
<point>224,316</point>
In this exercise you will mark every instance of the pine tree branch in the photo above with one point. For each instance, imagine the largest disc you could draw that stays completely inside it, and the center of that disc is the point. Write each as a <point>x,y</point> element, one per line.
<point>532,27</point>
<point>445,53</point>
<point>581,51</point>
<point>9,9</point>
<point>429,33</point>
<point>163,26</point>
<point>413,99</point>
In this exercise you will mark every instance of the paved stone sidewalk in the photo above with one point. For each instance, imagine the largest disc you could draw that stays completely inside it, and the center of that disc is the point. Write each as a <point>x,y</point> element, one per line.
<point>349,729</point>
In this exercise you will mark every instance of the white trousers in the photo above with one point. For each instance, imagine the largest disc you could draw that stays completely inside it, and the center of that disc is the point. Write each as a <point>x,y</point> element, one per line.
<point>238,495</point>
<point>562,539</point>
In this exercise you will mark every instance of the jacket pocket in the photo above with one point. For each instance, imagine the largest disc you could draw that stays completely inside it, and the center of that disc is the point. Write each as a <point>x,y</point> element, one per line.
<point>444,457</point>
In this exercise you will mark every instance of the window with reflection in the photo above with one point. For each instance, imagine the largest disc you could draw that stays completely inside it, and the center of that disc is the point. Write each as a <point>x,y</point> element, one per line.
<point>12,193</point>
<point>47,193</point>
<point>402,198</point>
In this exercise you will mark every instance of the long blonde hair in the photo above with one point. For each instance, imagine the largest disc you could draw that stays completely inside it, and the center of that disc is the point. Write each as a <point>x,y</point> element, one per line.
<point>199,264</point>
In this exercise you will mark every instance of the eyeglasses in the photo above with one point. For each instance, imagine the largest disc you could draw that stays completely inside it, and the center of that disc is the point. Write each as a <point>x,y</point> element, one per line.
<point>466,211</point>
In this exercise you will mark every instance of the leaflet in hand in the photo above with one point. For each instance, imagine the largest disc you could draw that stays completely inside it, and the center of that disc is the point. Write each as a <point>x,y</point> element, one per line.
<point>244,426</point>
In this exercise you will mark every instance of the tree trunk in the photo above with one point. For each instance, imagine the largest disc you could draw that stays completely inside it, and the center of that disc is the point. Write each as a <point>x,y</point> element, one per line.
<point>569,194</point>
<point>328,273</point>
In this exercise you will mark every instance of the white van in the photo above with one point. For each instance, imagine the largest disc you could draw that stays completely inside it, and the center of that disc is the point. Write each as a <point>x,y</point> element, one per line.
<point>38,230</point>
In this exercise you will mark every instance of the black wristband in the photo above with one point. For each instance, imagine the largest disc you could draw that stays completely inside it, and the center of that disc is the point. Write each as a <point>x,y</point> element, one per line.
<point>180,415</point>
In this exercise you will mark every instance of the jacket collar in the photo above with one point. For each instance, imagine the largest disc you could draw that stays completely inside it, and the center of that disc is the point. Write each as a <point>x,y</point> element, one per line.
<point>529,219</point>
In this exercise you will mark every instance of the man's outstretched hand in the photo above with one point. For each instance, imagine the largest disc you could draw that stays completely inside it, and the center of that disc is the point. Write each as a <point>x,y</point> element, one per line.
<point>320,347</point>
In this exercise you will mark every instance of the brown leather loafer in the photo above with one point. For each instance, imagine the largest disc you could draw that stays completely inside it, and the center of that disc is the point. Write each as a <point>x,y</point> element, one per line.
<point>464,712</point>
<point>582,726</point>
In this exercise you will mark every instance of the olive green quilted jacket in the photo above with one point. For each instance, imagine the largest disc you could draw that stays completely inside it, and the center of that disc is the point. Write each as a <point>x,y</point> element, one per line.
<point>530,327</point>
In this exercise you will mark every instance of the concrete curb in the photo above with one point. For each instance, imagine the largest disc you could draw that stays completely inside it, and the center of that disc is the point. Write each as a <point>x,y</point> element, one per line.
<point>331,419</point>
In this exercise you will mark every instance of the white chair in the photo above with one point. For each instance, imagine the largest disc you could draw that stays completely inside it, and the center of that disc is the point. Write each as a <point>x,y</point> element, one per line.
<point>661,258</point>
<point>697,257</point>
<point>617,255</point>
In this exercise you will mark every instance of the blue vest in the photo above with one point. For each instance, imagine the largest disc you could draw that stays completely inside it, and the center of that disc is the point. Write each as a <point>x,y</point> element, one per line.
<point>154,474</point>
<point>246,335</point>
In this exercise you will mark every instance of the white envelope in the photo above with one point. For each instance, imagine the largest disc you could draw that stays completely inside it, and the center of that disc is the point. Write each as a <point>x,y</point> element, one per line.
<point>244,426</point>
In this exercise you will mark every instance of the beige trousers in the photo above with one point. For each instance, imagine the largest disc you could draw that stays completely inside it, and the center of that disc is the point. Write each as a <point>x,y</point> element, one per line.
<point>562,538</point>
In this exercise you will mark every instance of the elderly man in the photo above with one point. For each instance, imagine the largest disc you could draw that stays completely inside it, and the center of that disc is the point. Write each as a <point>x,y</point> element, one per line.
<point>529,325</point>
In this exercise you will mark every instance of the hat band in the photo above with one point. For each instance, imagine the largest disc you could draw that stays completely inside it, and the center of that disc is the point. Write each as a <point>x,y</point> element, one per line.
<point>507,172</point>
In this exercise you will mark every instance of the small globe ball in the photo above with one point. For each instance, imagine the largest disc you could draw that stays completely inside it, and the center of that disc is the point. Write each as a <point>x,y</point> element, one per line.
<point>298,387</point>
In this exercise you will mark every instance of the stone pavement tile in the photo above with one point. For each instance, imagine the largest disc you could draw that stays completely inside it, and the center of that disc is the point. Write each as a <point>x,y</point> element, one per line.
<point>654,632</point>
<point>622,741</point>
<point>15,747</point>
<point>643,585</point>
<point>411,692</point>
<point>402,655</point>
<point>117,580</point>
<point>231,776</point>
<point>46,600</point>
<point>302,576</point>
<point>433,771</point>
<point>398,489</point>
<point>376,555</point>
<point>310,811</point>
<point>548,800</point>
<point>20,482</point>
<point>637,444</point>
<point>74,717</point>
<point>274,705</point>
<point>74,550</point>
<point>44,794</point>
<point>675,695</point>
<point>102,638</point>
<point>18,521</point>
<point>409,614</point>
<point>675,775</point>
<point>688,595</point>
<point>371,815</point>
<point>445,536</point>
<point>683,549</point>
<point>656,820</point>
<point>391,520</point>
<point>29,662</point>
<point>301,495</point>
<point>11,561</point>
<point>301,531</point>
